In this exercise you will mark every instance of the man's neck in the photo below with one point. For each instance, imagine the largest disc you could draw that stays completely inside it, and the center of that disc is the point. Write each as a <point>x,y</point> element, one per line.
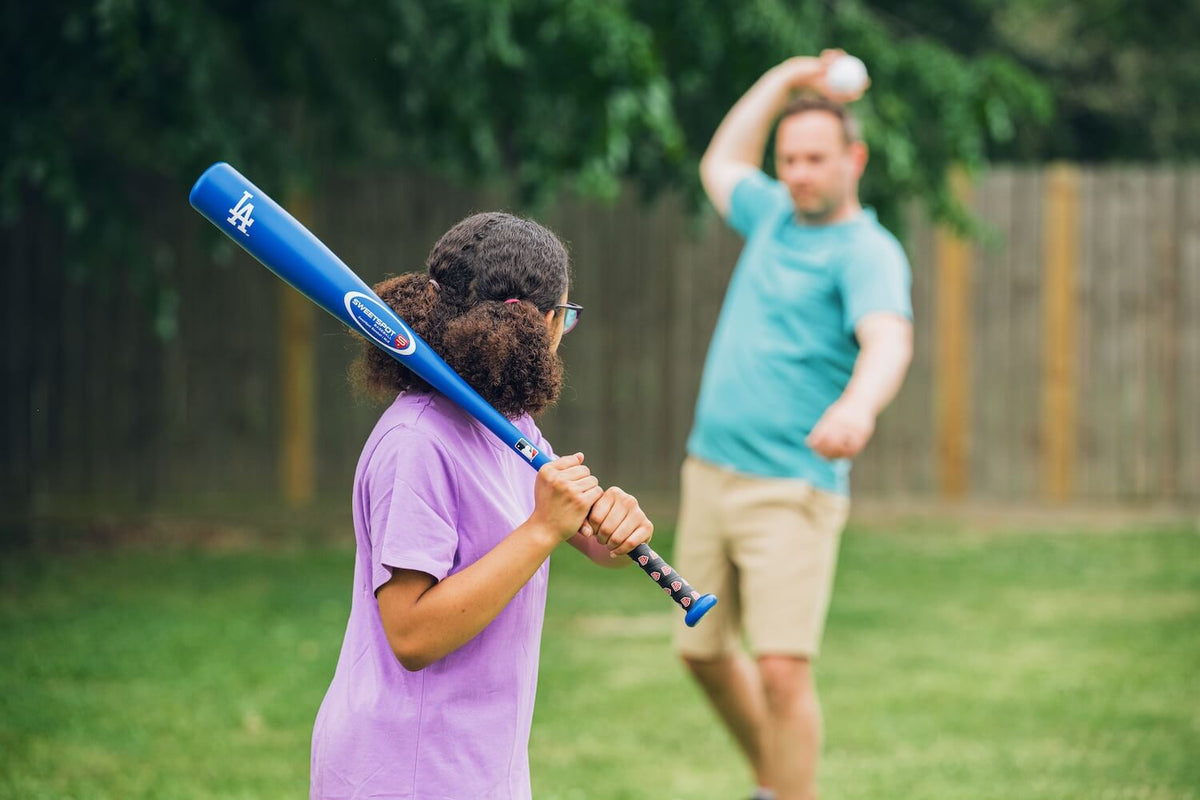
<point>846,211</point>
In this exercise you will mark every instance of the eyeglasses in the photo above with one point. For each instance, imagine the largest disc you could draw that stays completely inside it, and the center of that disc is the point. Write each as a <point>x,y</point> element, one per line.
<point>571,312</point>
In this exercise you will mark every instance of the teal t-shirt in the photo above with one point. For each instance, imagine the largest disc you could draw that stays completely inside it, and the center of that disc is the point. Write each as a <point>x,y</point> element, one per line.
<point>784,345</point>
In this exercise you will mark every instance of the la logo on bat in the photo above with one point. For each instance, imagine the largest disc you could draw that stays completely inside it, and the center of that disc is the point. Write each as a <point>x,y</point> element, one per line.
<point>239,215</point>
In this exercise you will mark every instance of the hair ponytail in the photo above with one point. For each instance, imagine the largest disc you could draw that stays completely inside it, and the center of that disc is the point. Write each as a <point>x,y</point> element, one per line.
<point>502,349</point>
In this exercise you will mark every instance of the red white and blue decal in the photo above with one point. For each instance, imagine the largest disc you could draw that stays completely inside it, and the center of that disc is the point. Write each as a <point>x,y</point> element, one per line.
<point>526,449</point>
<point>380,323</point>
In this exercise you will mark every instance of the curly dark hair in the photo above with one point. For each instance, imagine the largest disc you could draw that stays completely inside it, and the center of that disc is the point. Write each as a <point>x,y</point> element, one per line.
<point>503,350</point>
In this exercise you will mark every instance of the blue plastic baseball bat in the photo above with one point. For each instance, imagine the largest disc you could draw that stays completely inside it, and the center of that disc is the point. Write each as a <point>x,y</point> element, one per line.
<point>246,214</point>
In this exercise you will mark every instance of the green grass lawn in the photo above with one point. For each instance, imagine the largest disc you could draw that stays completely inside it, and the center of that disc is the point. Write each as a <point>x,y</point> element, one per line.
<point>956,665</point>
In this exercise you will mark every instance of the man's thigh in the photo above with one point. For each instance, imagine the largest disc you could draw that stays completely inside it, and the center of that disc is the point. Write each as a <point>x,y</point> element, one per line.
<point>784,545</point>
<point>702,556</point>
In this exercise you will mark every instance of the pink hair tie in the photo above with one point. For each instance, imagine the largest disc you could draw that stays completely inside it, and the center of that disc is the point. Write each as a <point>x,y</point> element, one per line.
<point>511,300</point>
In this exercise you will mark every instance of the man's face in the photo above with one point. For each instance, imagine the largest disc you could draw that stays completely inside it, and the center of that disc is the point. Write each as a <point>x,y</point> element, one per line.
<point>813,160</point>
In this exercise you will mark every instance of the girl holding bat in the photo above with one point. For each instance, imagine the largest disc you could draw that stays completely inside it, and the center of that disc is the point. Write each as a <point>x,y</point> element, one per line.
<point>434,688</point>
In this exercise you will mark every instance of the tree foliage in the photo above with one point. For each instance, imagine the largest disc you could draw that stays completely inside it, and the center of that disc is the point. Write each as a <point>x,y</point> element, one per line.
<point>550,94</point>
<point>1124,76</point>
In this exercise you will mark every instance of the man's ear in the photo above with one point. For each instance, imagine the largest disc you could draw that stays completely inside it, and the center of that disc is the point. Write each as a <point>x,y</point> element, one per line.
<point>859,155</point>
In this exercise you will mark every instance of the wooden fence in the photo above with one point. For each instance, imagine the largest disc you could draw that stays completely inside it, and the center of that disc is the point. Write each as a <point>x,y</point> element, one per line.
<point>1059,362</point>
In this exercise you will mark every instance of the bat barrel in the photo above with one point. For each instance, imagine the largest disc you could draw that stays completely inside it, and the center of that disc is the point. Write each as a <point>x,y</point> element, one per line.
<point>262,227</point>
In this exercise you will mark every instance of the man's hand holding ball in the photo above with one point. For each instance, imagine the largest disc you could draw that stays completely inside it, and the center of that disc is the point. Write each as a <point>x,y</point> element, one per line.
<point>845,77</point>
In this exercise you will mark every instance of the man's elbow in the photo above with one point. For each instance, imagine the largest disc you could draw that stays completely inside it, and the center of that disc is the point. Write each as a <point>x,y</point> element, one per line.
<point>888,334</point>
<point>709,174</point>
<point>903,342</point>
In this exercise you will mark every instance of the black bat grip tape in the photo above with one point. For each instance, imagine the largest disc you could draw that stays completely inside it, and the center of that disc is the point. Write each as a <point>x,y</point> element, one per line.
<point>691,601</point>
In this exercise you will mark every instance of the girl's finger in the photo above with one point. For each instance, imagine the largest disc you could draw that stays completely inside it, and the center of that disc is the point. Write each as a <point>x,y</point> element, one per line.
<point>612,522</point>
<point>641,534</point>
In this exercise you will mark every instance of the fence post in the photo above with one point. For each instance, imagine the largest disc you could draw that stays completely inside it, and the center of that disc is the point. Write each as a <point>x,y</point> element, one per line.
<point>1060,256</point>
<point>297,329</point>
<point>952,348</point>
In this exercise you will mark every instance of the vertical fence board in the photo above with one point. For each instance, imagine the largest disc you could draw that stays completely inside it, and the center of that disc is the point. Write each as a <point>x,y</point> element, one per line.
<point>1088,330</point>
<point>1187,433</point>
<point>953,348</point>
<point>17,351</point>
<point>992,461</point>
<point>1133,305</point>
<point>1105,398</point>
<point>1059,302</point>
<point>915,465</point>
<point>1025,316</point>
<point>1129,367</point>
<point>1163,276</point>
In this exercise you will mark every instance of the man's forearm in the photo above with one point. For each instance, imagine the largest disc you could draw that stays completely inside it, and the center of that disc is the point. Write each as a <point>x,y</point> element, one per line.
<point>742,135</point>
<point>879,373</point>
<point>737,146</point>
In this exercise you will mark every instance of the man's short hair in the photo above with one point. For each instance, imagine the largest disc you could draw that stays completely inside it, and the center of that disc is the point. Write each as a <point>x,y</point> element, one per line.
<point>851,129</point>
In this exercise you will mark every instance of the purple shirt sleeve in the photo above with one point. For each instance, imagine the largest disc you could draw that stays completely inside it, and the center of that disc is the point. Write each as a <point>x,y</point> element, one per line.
<point>414,506</point>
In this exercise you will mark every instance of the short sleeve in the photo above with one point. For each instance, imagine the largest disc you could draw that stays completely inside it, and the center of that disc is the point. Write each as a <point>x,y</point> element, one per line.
<point>753,201</point>
<point>876,278</point>
<point>413,513</point>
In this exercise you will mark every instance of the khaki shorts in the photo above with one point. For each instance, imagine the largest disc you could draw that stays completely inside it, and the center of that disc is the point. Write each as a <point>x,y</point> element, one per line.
<point>767,547</point>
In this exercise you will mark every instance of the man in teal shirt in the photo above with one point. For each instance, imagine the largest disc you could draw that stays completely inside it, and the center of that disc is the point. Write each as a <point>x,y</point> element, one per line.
<point>813,341</point>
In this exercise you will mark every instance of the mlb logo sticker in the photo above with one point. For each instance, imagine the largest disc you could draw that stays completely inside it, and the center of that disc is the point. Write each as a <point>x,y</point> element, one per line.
<point>526,449</point>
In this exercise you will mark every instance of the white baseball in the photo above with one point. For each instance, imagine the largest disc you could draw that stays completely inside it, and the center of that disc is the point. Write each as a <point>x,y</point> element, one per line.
<point>847,75</point>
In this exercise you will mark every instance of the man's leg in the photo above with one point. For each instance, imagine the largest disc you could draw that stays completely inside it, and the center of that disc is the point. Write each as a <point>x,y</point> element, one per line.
<point>711,650</point>
<point>786,547</point>
<point>735,689</point>
<point>793,726</point>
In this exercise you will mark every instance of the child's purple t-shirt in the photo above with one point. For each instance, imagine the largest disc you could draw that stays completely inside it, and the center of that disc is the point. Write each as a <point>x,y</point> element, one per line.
<point>434,491</point>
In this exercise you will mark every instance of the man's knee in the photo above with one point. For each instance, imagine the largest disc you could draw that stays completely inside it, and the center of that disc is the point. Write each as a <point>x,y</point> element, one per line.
<point>710,669</point>
<point>787,683</point>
